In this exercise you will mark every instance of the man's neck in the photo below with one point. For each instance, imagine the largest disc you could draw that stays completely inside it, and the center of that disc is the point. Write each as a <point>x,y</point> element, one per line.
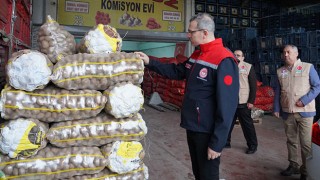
<point>289,66</point>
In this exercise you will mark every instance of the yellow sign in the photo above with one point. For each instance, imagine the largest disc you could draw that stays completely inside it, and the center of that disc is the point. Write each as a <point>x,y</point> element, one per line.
<point>152,15</point>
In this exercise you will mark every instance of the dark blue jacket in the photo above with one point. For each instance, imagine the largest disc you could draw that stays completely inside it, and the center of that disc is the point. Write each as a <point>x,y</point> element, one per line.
<point>212,90</point>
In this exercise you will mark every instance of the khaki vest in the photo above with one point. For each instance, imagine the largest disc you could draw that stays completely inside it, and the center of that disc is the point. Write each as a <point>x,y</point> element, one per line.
<point>244,70</point>
<point>295,84</point>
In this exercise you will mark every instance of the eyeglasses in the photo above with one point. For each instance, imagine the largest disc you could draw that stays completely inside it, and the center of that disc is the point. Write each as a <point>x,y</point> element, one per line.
<point>191,32</point>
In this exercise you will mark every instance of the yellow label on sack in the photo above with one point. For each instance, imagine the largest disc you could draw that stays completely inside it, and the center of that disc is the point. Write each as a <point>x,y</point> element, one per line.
<point>30,141</point>
<point>112,41</point>
<point>129,149</point>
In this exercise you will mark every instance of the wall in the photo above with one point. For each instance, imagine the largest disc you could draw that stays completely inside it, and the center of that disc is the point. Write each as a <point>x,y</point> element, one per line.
<point>157,49</point>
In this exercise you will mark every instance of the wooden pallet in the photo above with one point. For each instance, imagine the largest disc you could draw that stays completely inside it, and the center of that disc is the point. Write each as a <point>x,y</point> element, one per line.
<point>255,121</point>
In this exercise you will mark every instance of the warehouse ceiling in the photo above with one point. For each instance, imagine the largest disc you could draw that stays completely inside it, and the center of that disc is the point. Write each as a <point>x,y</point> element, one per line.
<point>291,3</point>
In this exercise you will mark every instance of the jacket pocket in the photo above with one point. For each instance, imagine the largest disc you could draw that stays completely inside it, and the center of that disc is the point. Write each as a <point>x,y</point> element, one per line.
<point>189,114</point>
<point>206,117</point>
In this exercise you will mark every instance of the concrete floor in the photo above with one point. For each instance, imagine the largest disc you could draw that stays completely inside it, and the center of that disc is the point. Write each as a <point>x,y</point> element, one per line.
<point>167,155</point>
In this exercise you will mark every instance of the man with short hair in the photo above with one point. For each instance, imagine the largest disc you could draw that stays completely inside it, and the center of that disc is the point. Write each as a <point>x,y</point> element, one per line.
<point>298,85</point>
<point>211,95</point>
<point>247,95</point>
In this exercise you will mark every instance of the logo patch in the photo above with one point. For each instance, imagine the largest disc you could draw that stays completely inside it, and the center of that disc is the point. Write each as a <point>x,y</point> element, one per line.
<point>227,80</point>
<point>299,69</point>
<point>188,66</point>
<point>203,72</point>
<point>284,73</point>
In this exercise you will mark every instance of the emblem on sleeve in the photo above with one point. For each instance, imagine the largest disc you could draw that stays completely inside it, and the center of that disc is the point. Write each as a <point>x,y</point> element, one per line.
<point>227,80</point>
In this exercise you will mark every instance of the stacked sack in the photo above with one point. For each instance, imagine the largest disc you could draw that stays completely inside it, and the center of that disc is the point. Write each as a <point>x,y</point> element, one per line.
<point>73,116</point>
<point>264,97</point>
<point>171,91</point>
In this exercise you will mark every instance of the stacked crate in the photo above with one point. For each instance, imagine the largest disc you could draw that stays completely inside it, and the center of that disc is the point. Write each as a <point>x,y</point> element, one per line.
<point>314,49</point>
<point>231,13</point>
<point>21,29</point>
<point>268,50</point>
<point>24,14</point>
<point>5,20</point>
<point>21,32</point>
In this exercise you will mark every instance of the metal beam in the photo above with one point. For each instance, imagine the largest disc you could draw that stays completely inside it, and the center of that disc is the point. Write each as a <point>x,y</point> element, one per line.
<point>135,35</point>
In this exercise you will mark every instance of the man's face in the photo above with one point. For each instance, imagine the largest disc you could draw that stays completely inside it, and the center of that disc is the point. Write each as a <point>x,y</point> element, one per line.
<point>239,55</point>
<point>289,55</point>
<point>194,34</point>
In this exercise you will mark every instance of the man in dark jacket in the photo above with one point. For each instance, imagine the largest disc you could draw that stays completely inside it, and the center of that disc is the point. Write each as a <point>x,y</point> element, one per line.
<point>211,95</point>
<point>247,96</point>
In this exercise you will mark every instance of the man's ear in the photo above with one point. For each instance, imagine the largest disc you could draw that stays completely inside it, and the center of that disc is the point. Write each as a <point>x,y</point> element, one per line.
<point>205,32</point>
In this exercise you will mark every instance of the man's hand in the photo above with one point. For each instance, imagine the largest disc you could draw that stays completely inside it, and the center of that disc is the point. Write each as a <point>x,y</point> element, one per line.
<point>212,154</point>
<point>144,57</point>
<point>299,104</point>
<point>249,105</point>
<point>276,114</point>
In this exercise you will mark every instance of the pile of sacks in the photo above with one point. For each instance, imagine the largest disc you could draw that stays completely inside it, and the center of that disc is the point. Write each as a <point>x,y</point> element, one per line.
<point>171,91</point>
<point>73,116</point>
<point>264,97</point>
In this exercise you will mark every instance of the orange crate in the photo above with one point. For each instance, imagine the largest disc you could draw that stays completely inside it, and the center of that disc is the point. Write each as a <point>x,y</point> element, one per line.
<point>3,62</point>
<point>22,26</point>
<point>5,15</point>
<point>26,32</point>
<point>17,25</point>
<point>25,4</point>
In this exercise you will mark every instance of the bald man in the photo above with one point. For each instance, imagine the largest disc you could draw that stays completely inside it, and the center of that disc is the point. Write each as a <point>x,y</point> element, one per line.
<point>247,95</point>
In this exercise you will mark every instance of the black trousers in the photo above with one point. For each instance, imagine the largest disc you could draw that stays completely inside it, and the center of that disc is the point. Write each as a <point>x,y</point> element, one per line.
<point>203,169</point>
<point>246,122</point>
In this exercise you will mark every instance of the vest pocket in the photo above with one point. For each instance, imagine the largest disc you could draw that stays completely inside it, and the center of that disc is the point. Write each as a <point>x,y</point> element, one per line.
<point>284,100</point>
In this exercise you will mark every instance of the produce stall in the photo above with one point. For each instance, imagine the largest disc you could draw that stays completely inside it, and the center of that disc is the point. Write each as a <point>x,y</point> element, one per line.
<point>74,115</point>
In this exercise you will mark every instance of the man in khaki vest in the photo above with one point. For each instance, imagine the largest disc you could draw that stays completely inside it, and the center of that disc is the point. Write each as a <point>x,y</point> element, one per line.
<point>247,95</point>
<point>297,87</point>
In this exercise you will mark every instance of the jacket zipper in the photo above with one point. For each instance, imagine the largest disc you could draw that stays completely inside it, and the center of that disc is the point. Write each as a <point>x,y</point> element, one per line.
<point>198,110</point>
<point>194,64</point>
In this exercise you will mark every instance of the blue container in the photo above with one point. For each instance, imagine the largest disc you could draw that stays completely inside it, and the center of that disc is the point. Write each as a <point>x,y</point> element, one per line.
<point>279,41</point>
<point>317,66</point>
<point>263,42</point>
<point>249,33</point>
<point>314,38</point>
<point>246,44</point>
<point>273,80</point>
<point>304,54</point>
<point>277,55</point>
<point>302,39</point>
<point>271,56</point>
<point>263,55</point>
<point>314,54</point>
<point>264,68</point>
